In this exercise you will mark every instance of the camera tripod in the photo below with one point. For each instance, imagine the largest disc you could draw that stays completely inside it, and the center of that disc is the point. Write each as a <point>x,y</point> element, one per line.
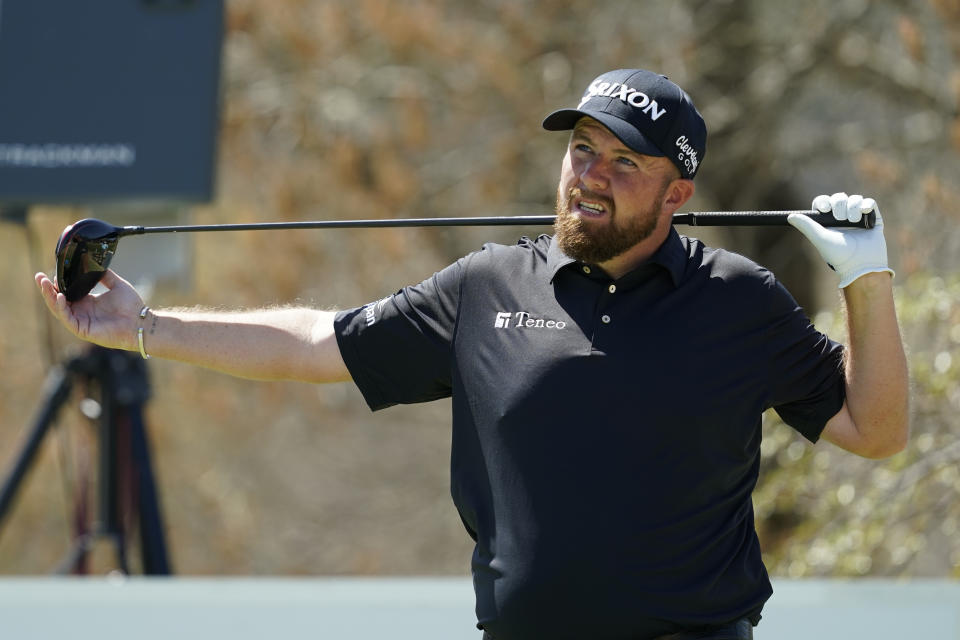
<point>118,387</point>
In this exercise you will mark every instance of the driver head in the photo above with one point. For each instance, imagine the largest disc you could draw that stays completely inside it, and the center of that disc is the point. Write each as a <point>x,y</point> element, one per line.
<point>84,252</point>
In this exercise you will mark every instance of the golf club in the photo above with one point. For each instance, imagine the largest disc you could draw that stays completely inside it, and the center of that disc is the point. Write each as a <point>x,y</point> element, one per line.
<point>86,247</point>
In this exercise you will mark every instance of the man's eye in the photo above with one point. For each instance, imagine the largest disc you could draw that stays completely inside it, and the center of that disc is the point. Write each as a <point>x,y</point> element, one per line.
<point>582,147</point>
<point>626,161</point>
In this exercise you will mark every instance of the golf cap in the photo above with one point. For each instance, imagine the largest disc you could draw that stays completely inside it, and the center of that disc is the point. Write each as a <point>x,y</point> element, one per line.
<point>647,112</point>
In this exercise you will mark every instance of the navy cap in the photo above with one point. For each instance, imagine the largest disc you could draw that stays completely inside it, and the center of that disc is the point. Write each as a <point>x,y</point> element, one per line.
<point>647,112</point>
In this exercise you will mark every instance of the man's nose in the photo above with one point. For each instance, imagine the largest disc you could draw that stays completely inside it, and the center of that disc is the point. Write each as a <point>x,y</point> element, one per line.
<point>594,175</point>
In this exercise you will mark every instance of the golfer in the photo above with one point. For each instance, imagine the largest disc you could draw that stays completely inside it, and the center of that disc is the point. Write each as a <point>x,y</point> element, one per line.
<point>607,382</point>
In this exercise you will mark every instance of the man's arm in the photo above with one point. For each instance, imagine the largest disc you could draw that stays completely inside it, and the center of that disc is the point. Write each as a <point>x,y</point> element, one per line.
<point>874,419</point>
<point>266,344</point>
<point>270,344</point>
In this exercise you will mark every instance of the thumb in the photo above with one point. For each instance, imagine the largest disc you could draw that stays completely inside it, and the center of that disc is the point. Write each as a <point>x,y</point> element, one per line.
<point>110,279</point>
<point>832,245</point>
<point>809,227</point>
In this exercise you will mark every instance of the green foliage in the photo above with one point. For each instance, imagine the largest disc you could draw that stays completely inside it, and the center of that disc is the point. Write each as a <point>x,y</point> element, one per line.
<point>824,512</point>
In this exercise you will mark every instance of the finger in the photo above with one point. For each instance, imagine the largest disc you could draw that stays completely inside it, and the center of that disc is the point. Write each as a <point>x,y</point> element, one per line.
<point>806,225</point>
<point>854,203</point>
<point>838,205</point>
<point>63,309</point>
<point>66,311</point>
<point>821,237</point>
<point>821,203</point>
<point>40,277</point>
<point>55,301</point>
<point>47,291</point>
<point>110,279</point>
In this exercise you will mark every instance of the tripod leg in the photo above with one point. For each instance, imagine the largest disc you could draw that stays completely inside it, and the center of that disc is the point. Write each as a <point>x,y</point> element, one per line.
<point>111,368</point>
<point>56,391</point>
<point>127,479</point>
<point>153,545</point>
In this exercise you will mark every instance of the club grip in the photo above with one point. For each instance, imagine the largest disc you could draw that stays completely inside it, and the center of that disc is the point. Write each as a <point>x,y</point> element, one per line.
<point>767,218</point>
<point>867,221</point>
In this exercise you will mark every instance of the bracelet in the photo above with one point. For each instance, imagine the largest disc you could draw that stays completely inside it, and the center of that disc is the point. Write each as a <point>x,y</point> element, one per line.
<point>143,315</point>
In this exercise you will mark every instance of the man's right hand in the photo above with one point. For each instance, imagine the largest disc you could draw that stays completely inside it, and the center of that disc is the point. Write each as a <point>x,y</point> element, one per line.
<point>109,319</point>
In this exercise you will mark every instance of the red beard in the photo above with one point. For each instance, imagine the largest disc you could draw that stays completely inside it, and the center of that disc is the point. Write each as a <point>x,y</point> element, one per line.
<point>598,242</point>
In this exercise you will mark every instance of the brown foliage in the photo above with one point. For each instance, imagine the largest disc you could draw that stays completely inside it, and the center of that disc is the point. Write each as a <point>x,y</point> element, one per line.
<point>380,108</point>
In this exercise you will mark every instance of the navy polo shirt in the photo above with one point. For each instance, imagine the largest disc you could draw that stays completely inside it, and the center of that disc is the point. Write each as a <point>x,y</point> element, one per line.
<point>606,433</point>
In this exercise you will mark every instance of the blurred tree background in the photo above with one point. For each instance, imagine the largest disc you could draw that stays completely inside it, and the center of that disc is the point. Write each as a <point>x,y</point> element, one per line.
<point>380,108</point>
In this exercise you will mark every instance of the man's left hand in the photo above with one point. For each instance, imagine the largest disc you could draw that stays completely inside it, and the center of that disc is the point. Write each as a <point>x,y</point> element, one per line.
<point>850,252</point>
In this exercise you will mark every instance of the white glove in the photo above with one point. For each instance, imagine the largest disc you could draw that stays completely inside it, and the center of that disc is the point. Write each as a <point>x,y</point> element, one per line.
<point>850,252</point>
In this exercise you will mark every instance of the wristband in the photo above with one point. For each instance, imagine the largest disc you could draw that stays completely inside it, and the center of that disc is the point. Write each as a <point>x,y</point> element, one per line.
<point>143,315</point>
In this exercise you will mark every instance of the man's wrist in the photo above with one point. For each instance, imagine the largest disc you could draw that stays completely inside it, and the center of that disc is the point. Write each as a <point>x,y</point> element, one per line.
<point>869,283</point>
<point>880,273</point>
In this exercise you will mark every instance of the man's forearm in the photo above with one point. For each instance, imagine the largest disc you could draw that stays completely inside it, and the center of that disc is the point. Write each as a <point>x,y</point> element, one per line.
<point>876,366</point>
<point>269,344</point>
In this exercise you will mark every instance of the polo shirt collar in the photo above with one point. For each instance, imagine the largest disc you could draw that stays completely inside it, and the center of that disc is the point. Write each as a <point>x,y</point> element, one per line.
<point>556,258</point>
<point>670,255</point>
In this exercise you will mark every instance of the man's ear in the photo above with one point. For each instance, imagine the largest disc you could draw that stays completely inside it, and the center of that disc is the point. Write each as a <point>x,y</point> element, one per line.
<point>678,192</point>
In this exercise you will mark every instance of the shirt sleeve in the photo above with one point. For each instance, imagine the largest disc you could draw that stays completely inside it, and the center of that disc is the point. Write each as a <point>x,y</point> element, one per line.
<point>398,349</point>
<point>807,378</point>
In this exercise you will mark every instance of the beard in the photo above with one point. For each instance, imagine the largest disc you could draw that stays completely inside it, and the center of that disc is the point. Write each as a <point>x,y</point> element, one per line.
<point>595,243</point>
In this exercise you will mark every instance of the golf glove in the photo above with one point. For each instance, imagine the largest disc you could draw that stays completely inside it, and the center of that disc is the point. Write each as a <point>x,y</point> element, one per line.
<point>850,252</point>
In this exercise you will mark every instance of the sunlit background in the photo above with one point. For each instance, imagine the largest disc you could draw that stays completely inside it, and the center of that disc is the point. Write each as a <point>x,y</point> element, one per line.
<point>380,109</point>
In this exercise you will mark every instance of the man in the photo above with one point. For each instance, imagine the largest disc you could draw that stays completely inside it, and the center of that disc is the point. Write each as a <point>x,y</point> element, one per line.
<point>607,383</point>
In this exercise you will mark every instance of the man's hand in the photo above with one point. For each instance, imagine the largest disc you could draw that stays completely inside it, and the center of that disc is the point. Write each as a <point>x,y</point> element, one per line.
<point>108,319</point>
<point>850,252</point>
<point>874,420</point>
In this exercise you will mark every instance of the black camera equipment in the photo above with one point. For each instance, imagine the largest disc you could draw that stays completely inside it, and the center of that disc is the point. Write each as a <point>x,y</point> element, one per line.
<point>106,103</point>
<point>117,389</point>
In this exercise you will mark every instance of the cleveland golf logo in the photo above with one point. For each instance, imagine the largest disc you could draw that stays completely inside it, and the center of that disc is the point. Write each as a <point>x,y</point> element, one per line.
<point>627,94</point>
<point>688,154</point>
<point>522,320</point>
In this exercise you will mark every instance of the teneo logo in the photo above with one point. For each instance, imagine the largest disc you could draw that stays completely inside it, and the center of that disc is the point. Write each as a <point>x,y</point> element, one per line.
<point>688,155</point>
<point>503,320</point>
<point>631,96</point>
<point>523,320</point>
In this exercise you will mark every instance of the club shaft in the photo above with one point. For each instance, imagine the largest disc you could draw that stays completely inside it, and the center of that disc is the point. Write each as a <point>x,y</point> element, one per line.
<point>693,218</point>
<point>491,221</point>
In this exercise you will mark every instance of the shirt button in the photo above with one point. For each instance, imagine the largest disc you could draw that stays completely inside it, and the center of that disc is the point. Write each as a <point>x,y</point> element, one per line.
<point>612,288</point>
<point>586,269</point>
<point>605,319</point>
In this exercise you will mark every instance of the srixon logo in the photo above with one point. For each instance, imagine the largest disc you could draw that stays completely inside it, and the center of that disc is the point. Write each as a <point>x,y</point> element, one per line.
<point>523,320</point>
<point>631,96</point>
